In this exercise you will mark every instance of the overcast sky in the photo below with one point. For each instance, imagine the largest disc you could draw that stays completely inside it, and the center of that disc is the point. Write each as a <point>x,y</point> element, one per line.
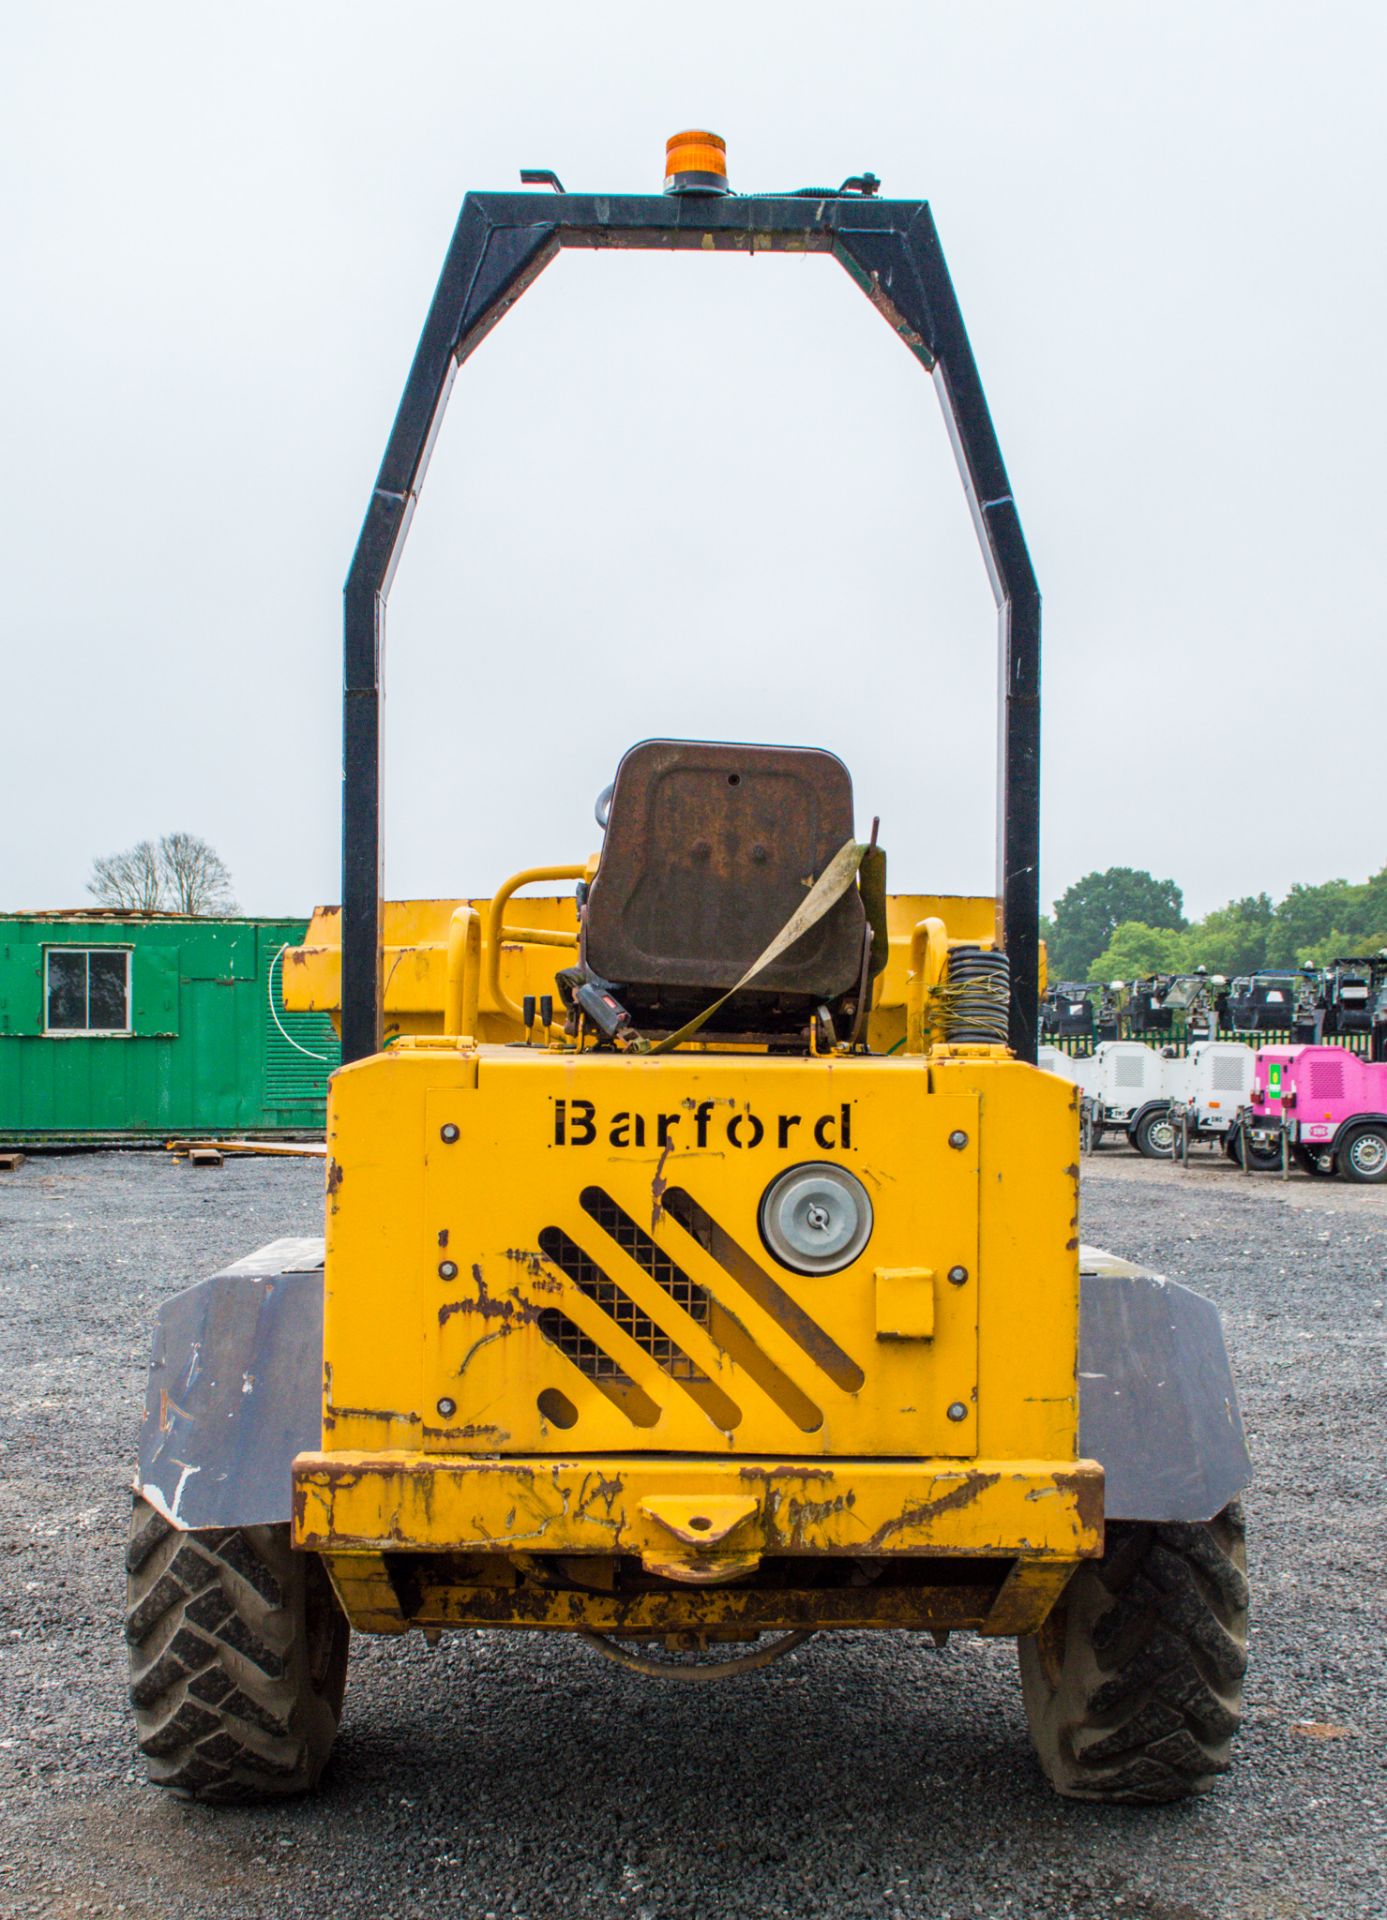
<point>692,495</point>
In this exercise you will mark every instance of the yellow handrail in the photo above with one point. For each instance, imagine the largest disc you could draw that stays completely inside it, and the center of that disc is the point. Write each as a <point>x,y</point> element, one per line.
<point>929,949</point>
<point>496,931</point>
<point>464,977</point>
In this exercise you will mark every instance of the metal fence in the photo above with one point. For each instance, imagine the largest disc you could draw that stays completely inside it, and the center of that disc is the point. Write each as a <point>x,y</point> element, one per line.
<point>1080,1046</point>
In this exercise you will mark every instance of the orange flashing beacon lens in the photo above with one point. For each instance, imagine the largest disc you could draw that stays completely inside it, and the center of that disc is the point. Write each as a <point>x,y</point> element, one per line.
<point>696,163</point>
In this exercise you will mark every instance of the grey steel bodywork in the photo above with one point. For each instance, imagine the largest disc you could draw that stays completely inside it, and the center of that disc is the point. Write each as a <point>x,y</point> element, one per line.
<point>235,1392</point>
<point>1157,1403</point>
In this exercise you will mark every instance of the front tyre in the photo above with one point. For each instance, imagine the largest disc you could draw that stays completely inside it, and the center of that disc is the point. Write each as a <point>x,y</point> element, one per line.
<point>1363,1156</point>
<point>238,1659</point>
<point>1248,1153</point>
<point>1154,1135</point>
<point>1133,1687</point>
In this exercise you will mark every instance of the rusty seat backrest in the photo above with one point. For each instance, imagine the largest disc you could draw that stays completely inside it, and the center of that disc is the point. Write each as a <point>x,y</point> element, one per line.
<point>709,850</point>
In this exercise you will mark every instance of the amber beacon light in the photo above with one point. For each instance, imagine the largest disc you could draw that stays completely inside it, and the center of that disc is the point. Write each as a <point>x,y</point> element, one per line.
<point>696,163</point>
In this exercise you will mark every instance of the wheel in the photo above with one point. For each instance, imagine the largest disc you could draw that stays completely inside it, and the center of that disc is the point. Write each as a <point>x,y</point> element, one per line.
<point>1260,1159</point>
<point>1320,1164</point>
<point>1154,1135</point>
<point>1133,1687</point>
<point>1363,1156</point>
<point>238,1659</point>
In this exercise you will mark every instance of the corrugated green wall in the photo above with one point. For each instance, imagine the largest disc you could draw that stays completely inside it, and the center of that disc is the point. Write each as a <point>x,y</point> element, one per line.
<point>206,1055</point>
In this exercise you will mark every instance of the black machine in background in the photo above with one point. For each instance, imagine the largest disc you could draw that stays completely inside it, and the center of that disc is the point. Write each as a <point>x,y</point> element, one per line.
<point>1350,994</point>
<point>1108,1017</point>
<point>1272,1002</point>
<point>1194,1001</point>
<point>1067,1012</point>
<point>1146,1011</point>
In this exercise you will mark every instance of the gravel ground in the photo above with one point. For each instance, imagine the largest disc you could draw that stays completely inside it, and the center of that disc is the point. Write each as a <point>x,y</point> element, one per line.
<point>866,1775</point>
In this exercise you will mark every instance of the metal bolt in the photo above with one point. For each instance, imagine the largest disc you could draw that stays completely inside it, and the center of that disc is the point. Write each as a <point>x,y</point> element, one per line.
<point>956,1412</point>
<point>447,1270</point>
<point>447,1407</point>
<point>957,1140</point>
<point>958,1275</point>
<point>448,1134</point>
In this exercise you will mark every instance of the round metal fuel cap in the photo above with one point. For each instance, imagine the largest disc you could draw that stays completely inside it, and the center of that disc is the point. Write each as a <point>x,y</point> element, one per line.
<point>816,1218</point>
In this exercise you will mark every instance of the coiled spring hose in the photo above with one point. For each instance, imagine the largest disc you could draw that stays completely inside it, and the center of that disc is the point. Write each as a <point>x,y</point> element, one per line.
<point>979,997</point>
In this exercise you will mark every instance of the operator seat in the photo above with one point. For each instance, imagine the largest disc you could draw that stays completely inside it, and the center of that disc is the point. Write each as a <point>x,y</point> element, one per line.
<point>709,850</point>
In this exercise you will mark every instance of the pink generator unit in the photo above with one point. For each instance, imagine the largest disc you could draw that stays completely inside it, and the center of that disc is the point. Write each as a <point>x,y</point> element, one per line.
<point>1332,1105</point>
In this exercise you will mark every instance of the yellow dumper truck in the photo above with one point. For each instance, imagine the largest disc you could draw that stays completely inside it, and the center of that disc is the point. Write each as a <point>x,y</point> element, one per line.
<point>701,1264</point>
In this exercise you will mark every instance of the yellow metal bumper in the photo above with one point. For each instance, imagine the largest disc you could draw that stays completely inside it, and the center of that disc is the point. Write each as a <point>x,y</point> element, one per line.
<point>661,1508</point>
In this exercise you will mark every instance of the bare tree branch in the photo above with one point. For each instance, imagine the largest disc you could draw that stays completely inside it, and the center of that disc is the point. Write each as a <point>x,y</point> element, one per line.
<point>181,874</point>
<point>196,878</point>
<point>133,879</point>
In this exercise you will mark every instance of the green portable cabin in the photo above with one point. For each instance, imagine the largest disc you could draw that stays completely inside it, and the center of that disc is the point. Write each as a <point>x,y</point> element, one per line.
<point>143,1026</point>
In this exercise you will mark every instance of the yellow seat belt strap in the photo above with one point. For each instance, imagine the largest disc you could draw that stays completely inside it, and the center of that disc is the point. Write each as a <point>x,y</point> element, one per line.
<point>826,891</point>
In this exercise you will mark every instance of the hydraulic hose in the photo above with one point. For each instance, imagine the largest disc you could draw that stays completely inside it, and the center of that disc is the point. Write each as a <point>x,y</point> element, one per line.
<point>656,1669</point>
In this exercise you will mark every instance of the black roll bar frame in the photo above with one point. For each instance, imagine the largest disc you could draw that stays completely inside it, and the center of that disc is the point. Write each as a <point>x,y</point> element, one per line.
<point>501,244</point>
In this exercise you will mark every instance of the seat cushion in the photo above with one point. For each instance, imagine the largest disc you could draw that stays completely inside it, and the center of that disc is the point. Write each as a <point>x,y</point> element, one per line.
<point>710,848</point>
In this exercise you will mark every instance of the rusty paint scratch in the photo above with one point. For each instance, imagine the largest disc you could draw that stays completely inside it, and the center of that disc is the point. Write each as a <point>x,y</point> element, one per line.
<point>657,1187</point>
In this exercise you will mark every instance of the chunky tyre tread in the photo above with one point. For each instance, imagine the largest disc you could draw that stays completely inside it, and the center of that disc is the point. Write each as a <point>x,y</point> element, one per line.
<point>238,1659</point>
<point>1133,1687</point>
<point>1261,1159</point>
<point>1144,1136</point>
<point>1346,1158</point>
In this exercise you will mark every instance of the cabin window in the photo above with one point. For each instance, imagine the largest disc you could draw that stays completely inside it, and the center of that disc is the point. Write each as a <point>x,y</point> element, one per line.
<point>87,989</point>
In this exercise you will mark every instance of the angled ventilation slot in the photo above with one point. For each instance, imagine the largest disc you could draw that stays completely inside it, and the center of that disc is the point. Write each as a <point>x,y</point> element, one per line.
<point>636,1324</point>
<point>597,1365</point>
<point>712,1316</point>
<point>767,1293</point>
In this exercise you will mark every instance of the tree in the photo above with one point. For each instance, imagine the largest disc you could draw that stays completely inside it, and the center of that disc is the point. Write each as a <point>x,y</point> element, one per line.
<point>1233,939</point>
<point>132,880</point>
<point>195,875</point>
<point>1136,949</point>
<point>1335,945</point>
<point>1088,914</point>
<point>1375,911</point>
<point>1308,916</point>
<point>179,874</point>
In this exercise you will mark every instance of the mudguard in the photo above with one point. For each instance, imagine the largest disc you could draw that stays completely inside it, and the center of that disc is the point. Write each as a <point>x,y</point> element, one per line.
<point>235,1392</point>
<point>1157,1404</point>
